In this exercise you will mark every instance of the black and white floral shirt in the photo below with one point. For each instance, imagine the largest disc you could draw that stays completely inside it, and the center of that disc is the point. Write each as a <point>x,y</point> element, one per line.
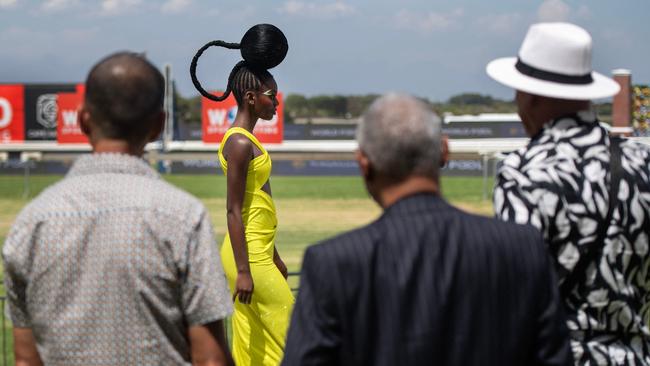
<point>560,184</point>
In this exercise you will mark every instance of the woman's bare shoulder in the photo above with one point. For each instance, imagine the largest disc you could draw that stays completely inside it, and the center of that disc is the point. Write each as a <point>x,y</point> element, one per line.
<point>238,147</point>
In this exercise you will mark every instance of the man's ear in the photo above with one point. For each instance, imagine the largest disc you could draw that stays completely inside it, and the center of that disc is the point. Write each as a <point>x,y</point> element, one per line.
<point>444,150</point>
<point>527,104</point>
<point>83,119</point>
<point>364,164</point>
<point>158,126</point>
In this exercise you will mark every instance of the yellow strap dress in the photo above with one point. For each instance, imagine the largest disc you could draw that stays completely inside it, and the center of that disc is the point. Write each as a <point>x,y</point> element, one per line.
<point>259,329</point>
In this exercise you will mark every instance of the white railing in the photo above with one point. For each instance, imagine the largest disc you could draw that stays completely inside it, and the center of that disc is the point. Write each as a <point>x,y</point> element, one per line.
<point>470,146</point>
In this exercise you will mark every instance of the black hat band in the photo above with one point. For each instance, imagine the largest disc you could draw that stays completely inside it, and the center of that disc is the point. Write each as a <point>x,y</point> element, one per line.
<point>536,73</point>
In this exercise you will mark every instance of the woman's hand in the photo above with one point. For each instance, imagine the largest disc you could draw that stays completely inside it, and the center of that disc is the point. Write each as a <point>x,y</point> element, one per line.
<point>243,287</point>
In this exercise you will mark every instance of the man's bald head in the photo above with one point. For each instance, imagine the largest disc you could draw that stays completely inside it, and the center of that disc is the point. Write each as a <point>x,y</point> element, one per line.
<point>124,96</point>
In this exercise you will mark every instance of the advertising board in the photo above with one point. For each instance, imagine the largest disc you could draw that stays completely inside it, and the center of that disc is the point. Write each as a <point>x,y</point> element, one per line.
<point>12,113</point>
<point>217,117</point>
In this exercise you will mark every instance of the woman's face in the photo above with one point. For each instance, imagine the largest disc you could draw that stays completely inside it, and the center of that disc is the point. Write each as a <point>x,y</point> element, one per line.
<point>266,102</point>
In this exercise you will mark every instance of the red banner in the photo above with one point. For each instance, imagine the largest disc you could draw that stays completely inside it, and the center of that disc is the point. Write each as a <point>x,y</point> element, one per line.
<point>217,117</point>
<point>68,130</point>
<point>12,113</point>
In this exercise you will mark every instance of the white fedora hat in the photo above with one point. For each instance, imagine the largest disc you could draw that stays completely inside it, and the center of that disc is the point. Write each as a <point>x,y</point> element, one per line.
<point>554,61</point>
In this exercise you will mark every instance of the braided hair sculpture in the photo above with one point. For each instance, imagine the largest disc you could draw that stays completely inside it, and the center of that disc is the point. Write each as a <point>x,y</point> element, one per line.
<point>263,47</point>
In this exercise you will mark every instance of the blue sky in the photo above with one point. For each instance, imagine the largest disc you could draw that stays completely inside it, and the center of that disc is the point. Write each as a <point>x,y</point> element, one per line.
<point>429,48</point>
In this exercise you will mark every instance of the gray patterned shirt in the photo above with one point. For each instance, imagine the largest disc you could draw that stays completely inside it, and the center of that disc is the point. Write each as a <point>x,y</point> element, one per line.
<point>111,266</point>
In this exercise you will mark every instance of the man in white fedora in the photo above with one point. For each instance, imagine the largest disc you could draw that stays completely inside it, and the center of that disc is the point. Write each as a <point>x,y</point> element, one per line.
<point>588,192</point>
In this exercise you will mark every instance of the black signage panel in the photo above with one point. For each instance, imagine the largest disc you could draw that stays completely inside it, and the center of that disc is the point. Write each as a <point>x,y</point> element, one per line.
<point>319,132</point>
<point>40,109</point>
<point>478,130</point>
<point>454,130</point>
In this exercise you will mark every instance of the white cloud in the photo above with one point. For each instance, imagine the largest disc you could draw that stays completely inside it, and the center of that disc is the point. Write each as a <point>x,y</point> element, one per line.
<point>57,5</point>
<point>212,12</point>
<point>175,6</point>
<point>616,36</point>
<point>583,12</point>
<point>31,44</point>
<point>500,23</point>
<point>334,9</point>
<point>80,35</point>
<point>26,43</point>
<point>553,11</point>
<point>427,22</point>
<point>7,3</point>
<point>112,7</point>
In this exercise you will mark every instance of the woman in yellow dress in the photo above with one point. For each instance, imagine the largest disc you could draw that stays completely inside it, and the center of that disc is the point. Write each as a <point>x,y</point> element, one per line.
<point>255,271</point>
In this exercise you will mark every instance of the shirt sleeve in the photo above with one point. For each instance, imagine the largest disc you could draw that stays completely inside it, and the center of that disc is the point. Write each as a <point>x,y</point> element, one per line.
<point>526,196</point>
<point>515,198</point>
<point>15,280</point>
<point>314,334</point>
<point>205,293</point>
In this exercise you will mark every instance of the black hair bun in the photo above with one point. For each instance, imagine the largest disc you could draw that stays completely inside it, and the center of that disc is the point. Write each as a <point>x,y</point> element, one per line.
<point>264,46</point>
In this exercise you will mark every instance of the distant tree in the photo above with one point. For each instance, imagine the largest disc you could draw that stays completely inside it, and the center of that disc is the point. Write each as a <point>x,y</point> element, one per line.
<point>471,99</point>
<point>188,109</point>
<point>296,105</point>
<point>328,105</point>
<point>353,106</point>
<point>334,106</point>
<point>357,104</point>
<point>604,111</point>
<point>474,103</point>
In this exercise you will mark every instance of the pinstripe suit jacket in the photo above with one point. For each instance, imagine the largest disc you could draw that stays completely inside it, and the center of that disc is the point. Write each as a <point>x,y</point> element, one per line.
<point>427,284</point>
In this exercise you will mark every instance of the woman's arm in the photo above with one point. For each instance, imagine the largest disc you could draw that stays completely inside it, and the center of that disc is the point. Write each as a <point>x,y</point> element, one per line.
<point>240,151</point>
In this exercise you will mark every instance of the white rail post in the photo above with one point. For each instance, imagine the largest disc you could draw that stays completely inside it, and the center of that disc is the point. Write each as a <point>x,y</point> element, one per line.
<point>486,160</point>
<point>26,158</point>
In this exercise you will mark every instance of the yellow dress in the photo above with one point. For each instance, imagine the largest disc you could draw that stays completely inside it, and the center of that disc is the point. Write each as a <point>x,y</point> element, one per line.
<point>259,328</point>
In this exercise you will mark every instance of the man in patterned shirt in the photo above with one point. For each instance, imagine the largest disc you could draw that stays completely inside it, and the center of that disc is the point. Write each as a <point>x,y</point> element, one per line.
<point>587,192</point>
<point>112,265</point>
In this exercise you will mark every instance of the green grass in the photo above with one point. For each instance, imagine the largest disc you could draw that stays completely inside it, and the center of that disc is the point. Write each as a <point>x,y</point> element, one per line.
<point>282,187</point>
<point>310,209</point>
<point>13,186</point>
<point>464,189</point>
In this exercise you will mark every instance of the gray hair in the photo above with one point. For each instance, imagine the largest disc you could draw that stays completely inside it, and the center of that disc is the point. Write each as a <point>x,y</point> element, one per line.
<point>400,135</point>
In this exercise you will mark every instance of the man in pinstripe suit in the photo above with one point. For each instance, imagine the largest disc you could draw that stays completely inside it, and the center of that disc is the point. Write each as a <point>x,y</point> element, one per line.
<point>425,283</point>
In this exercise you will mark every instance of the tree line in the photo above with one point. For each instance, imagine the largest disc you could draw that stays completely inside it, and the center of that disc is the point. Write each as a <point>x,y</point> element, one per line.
<point>298,107</point>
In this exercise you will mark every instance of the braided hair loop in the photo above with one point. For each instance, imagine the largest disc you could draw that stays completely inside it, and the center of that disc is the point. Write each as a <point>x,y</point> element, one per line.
<point>262,47</point>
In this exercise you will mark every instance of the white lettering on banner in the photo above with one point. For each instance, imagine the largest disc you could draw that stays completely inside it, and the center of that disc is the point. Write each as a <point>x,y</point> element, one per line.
<point>69,118</point>
<point>6,113</point>
<point>266,130</point>
<point>272,122</point>
<point>216,116</point>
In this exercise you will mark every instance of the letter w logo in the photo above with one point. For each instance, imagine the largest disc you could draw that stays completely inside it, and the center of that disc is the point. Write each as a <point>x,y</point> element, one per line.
<point>69,118</point>
<point>216,117</point>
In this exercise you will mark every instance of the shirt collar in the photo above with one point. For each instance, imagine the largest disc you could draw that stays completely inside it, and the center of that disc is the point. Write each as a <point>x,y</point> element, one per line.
<point>102,163</point>
<point>420,201</point>
<point>573,119</point>
<point>586,118</point>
